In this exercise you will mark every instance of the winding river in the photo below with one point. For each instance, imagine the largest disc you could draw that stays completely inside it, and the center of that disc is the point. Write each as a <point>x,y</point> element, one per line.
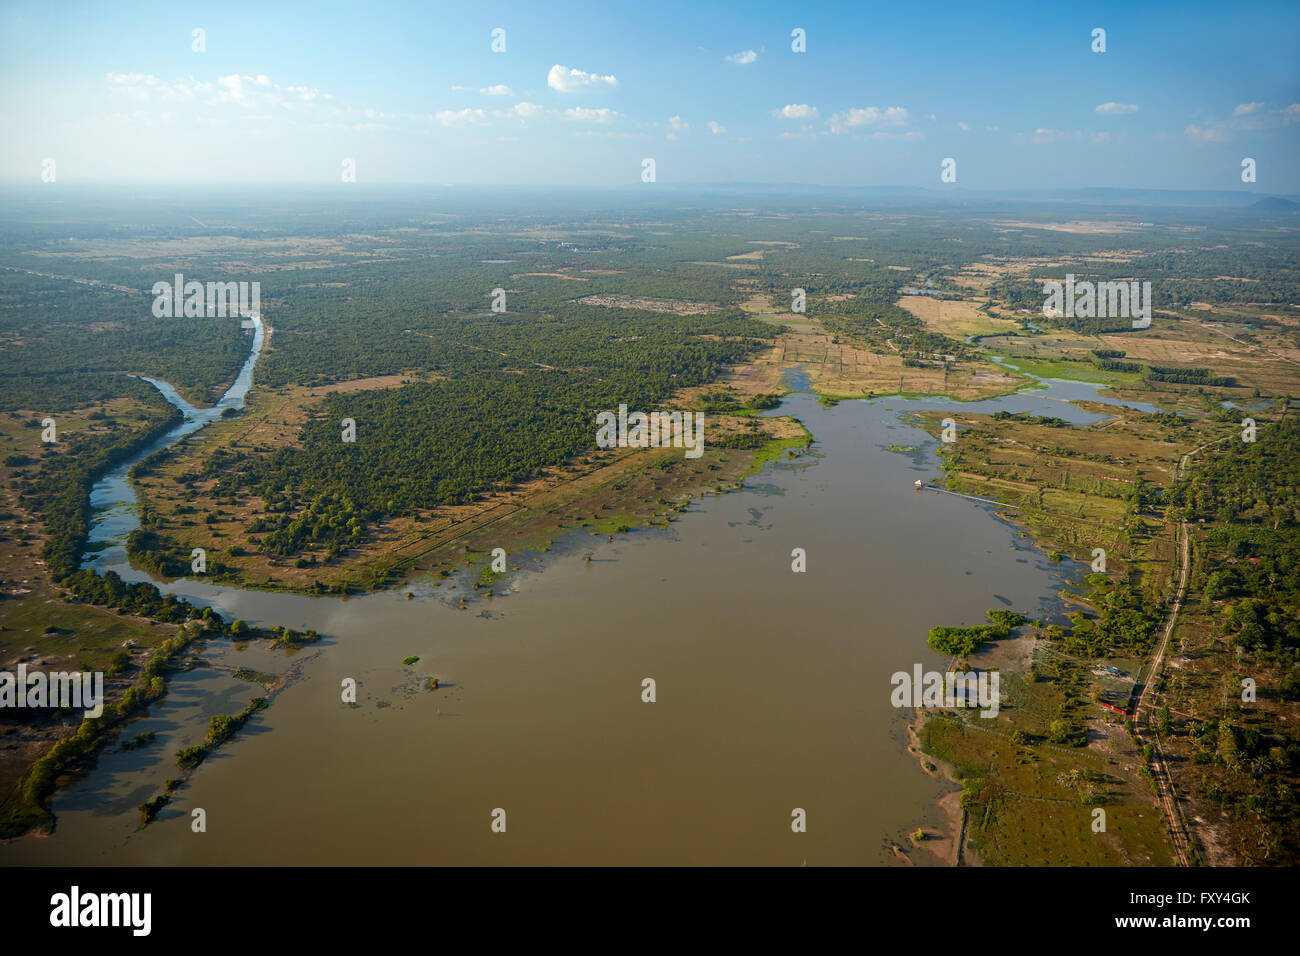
<point>772,687</point>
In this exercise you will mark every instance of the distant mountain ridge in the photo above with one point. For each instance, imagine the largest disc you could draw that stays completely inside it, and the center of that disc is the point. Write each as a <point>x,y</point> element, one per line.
<point>1275,204</point>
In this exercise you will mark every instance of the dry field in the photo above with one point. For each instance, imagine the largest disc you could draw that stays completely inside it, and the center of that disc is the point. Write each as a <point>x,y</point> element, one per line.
<point>846,371</point>
<point>956,319</point>
<point>1077,227</point>
<point>672,306</point>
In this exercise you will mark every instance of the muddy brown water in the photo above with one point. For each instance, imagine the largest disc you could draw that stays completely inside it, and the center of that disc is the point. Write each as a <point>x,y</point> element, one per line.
<point>772,687</point>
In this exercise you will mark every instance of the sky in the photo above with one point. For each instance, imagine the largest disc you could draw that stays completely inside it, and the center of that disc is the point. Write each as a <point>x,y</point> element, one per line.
<point>583,93</point>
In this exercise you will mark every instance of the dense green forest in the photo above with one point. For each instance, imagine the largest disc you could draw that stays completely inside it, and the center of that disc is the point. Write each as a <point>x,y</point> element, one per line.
<point>64,345</point>
<point>59,489</point>
<point>1246,580</point>
<point>493,422</point>
<point>1249,494</point>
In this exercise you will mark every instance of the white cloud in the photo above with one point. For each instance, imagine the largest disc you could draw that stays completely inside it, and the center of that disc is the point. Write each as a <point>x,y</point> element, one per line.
<point>135,86</point>
<point>609,134</point>
<point>1042,135</point>
<point>231,89</point>
<point>675,123</point>
<point>524,110</point>
<point>1205,134</point>
<point>1246,118</point>
<point>1117,109</point>
<point>465,117</point>
<point>499,90</point>
<point>716,128</point>
<point>963,127</point>
<point>567,80</point>
<point>583,115</point>
<point>868,116</point>
<point>250,92</point>
<point>743,58</point>
<point>796,111</point>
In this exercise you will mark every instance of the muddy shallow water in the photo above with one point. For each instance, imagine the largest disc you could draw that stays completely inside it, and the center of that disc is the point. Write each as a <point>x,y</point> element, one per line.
<point>772,687</point>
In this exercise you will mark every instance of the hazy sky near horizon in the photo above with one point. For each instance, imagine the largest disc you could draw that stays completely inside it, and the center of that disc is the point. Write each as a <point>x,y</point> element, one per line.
<point>584,91</point>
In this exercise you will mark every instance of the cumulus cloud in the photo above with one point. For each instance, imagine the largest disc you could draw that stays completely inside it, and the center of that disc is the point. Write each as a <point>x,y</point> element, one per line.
<point>135,86</point>
<point>716,128</point>
<point>1245,118</point>
<point>868,116</point>
<point>1042,135</point>
<point>499,90</point>
<point>241,90</point>
<point>743,58</point>
<point>567,80</point>
<point>609,134</point>
<point>524,110</point>
<point>583,115</point>
<point>1116,109</point>
<point>1205,134</point>
<point>675,123</point>
<point>963,127</point>
<point>465,117</point>
<point>250,92</point>
<point>796,111</point>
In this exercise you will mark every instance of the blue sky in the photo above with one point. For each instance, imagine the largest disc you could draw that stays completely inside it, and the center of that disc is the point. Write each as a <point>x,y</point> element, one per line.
<point>412,92</point>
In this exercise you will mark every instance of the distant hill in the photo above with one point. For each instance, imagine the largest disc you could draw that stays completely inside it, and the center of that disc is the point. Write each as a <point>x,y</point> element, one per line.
<point>1275,204</point>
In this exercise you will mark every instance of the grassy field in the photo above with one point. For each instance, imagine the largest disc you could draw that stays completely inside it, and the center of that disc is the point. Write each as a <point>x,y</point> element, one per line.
<point>956,318</point>
<point>1032,803</point>
<point>1070,488</point>
<point>1075,371</point>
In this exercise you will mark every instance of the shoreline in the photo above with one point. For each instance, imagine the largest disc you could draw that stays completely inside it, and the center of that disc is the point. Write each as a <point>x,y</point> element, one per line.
<point>947,847</point>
